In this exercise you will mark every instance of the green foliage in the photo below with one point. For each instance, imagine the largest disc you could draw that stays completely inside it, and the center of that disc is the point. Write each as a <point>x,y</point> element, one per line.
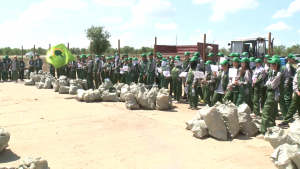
<point>295,49</point>
<point>225,51</point>
<point>100,39</point>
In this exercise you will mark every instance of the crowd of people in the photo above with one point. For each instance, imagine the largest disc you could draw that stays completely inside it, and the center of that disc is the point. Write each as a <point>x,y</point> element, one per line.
<point>261,82</point>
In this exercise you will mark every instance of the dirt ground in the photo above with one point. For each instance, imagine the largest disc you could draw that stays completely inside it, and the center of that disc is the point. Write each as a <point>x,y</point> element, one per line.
<point>72,134</point>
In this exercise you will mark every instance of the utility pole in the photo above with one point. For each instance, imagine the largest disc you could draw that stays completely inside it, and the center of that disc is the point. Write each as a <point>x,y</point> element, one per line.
<point>176,40</point>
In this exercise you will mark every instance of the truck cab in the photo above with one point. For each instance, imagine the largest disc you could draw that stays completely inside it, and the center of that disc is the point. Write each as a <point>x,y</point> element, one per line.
<point>254,46</point>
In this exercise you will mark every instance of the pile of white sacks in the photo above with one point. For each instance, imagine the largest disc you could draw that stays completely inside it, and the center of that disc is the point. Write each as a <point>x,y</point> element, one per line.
<point>287,146</point>
<point>4,139</point>
<point>224,121</point>
<point>135,96</point>
<point>31,163</point>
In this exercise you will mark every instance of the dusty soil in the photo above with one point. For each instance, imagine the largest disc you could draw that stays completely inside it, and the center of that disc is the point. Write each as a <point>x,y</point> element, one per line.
<point>71,134</point>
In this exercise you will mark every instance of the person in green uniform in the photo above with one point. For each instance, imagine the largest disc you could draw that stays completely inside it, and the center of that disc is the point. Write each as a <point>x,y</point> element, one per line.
<point>244,82</point>
<point>143,68</point>
<point>186,67</point>
<point>157,73</point>
<point>116,69</point>
<point>8,61</point>
<point>79,67</point>
<point>289,74</point>
<point>31,66</point>
<point>125,72</point>
<point>122,74</point>
<point>68,70</point>
<point>1,67</point>
<point>171,64</point>
<point>4,69</point>
<point>295,106</point>
<point>97,65</point>
<point>15,67</point>
<point>83,62</point>
<point>89,70</point>
<point>233,90</point>
<point>231,56</point>
<point>151,69</point>
<point>135,64</point>
<point>38,63</point>
<point>164,80</point>
<point>221,80</point>
<point>130,72</point>
<point>103,60</point>
<point>258,78</point>
<point>22,68</point>
<point>252,63</point>
<point>73,69</point>
<point>192,85</point>
<point>273,84</point>
<point>208,83</point>
<point>52,70</point>
<point>264,88</point>
<point>106,68</point>
<point>176,80</point>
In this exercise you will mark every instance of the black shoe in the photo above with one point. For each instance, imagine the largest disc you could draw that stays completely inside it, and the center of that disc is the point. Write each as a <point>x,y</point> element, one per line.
<point>282,124</point>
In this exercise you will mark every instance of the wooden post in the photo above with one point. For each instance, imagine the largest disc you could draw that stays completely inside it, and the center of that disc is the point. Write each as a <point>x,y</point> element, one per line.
<point>204,46</point>
<point>68,45</point>
<point>119,47</point>
<point>49,46</point>
<point>22,50</point>
<point>155,42</point>
<point>34,51</point>
<point>91,49</point>
<point>269,46</point>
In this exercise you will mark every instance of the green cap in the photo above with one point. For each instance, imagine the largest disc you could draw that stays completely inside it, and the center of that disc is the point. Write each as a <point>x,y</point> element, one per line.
<point>130,58</point>
<point>252,59</point>
<point>103,56</point>
<point>144,55</point>
<point>21,57</point>
<point>31,56</point>
<point>246,60</point>
<point>193,60</point>
<point>164,59</point>
<point>107,58</point>
<point>122,56</point>
<point>187,54</point>
<point>235,59</point>
<point>170,57</point>
<point>116,54</point>
<point>125,59</point>
<point>6,56</point>
<point>126,54</point>
<point>77,56</point>
<point>82,56</point>
<point>231,55</point>
<point>209,62</point>
<point>275,61</point>
<point>112,57</point>
<point>196,54</point>
<point>135,59</point>
<point>150,54</point>
<point>291,56</point>
<point>158,53</point>
<point>245,54</point>
<point>258,60</point>
<point>177,56</point>
<point>267,56</point>
<point>96,56</point>
<point>224,62</point>
<point>275,56</point>
<point>3,57</point>
<point>237,54</point>
<point>88,55</point>
<point>220,54</point>
<point>211,55</point>
<point>37,54</point>
<point>159,56</point>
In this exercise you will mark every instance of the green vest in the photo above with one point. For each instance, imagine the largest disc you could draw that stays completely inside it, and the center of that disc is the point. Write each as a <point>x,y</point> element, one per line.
<point>143,66</point>
<point>174,73</point>
<point>185,64</point>
<point>190,77</point>
<point>225,80</point>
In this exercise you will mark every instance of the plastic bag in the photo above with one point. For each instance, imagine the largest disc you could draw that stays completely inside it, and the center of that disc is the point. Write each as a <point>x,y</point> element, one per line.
<point>281,156</point>
<point>4,139</point>
<point>229,114</point>
<point>276,137</point>
<point>48,83</point>
<point>34,163</point>
<point>130,102</point>
<point>214,122</point>
<point>73,90</point>
<point>29,82</point>
<point>125,89</point>
<point>64,90</point>
<point>200,129</point>
<point>247,126</point>
<point>39,85</point>
<point>162,100</point>
<point>294,133</point>
<point>55,85</point>
<point>109,97</point>
<point>80,95</point>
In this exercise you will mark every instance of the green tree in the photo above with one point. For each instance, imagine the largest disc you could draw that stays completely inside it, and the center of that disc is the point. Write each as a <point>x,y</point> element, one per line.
<point>100,39</point>
<point>127,49</point>
<point>225,51</point>
<point>279,50</point>
<point>295,49</point>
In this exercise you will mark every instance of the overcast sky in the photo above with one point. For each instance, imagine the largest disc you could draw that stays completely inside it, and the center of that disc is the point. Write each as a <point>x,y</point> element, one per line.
<point>137,22</point>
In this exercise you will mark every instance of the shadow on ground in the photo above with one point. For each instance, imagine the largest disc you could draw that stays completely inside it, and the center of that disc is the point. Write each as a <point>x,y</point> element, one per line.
<point>8,156</point>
